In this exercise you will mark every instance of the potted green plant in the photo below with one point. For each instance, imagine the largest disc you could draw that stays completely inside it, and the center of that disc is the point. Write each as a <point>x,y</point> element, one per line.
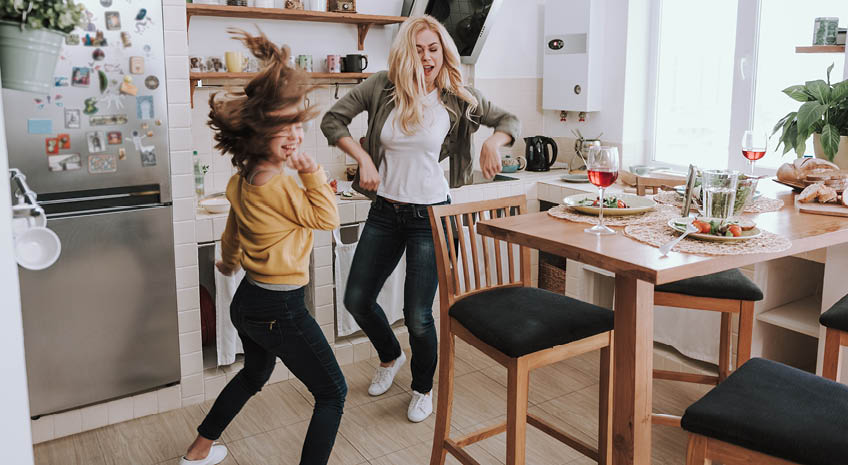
<point>823,114</point>
<point>31,35</point>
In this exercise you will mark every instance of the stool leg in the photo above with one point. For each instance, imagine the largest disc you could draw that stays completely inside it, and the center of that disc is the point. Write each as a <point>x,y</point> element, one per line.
<point>516,411</point>
<point>724,349</point>
<point>605,407</point>
<point>696,451</point>
<point>445,401</point>
<point>746,332</point>
<point>831,363</point>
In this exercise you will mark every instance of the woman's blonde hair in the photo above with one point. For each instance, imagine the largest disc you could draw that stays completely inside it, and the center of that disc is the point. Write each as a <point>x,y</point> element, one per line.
<point>245,121</point>
<point>407,74</point>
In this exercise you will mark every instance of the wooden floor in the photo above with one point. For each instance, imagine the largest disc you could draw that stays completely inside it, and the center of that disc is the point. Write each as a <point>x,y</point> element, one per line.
<point>375,430</point>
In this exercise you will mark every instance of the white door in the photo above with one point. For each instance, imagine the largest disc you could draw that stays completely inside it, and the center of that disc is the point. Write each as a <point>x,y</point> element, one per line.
<point>15,434</point>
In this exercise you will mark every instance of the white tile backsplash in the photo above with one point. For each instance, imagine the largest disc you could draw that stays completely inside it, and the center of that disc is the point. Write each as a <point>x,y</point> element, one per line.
<point>192,386</point>
<point>325,314</point>
<point>323,275</point>
<point>203,231</point>
<point>184,233</point>
<point>323,256</point>
<point>176,45</point>
<point>181,162</point>
<point>177,67</point>
<point>347,213</point>
<point>94,417</point>
<point>189,321</point>
<point>42,429</point>
<point>174,17</point>
<point>183,186</point>
<point>168,398</point>
<point>180,138</point>
<point>184,209</point>
<point>323,295</point>
<point>179,116</point>
<point>188,299</point>
<point>190,343</point>
<point>187,276</point>
<point>67,423</point>
<point>185,254</point>
<point>218,226</point>
<point>144,404</point>
<point>322,238</point>
<point>178,91</point>
<point>120,410</point>
<point>191,364</point>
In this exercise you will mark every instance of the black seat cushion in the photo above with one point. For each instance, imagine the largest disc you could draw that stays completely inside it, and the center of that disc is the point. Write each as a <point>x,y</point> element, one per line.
<point>522,320</point>
<point>730,284</point>
<point>837,316</point>
<point>777,410</point>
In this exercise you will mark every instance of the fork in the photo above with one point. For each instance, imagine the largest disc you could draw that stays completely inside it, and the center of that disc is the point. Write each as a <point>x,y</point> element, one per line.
<point>666,248</point>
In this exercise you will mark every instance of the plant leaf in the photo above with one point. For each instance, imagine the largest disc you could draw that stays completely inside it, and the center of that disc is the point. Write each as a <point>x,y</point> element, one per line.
<point>819,89</point>
<point>789,136</point>
<point>798,93</point>
<point>809,113</point>
<point>829,69</point>
<point>783,121</point>
<point>801,144</point>
<point>839,92</point>
<point>830,140</point>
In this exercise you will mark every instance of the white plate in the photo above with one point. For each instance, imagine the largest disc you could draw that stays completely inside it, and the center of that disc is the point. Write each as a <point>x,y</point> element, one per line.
<point>215,204</point>
<point>575,177</point>
<point>637,204</point>
<point>679,225</point>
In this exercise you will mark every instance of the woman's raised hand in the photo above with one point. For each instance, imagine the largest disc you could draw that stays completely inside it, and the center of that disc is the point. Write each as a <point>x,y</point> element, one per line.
<point>302,162</point>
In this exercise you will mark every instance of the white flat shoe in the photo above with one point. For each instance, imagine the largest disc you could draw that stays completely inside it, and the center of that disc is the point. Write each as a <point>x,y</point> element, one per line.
<point>384,376</point>
<point>420,406</point>
<point>217,454</point>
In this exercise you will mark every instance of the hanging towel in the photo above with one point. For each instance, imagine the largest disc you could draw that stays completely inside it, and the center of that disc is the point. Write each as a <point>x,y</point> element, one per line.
<point>390,298</point>
<point>226,337</point>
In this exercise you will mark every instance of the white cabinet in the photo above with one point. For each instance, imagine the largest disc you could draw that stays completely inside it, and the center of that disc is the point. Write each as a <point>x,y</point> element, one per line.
<point>573,50</point>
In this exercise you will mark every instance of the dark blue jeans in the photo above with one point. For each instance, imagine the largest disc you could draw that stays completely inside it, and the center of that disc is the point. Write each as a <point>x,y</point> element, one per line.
<point>275,324</point>
<point>389,230</point>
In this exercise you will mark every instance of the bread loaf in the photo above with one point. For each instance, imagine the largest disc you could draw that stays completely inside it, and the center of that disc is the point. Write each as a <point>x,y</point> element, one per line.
<point>827,194</point>
<point>802,167</point>
<point>810,193</point>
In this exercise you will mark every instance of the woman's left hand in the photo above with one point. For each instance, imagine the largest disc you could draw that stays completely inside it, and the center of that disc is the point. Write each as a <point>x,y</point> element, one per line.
<point>490,159</point>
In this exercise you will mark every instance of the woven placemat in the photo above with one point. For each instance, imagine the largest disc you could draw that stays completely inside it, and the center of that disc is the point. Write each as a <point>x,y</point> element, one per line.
<point>761,205</point>
<point>661,214</point>
<point>658,234</point>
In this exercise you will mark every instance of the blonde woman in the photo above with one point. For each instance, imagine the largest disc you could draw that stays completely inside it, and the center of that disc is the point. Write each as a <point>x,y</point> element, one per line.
<point>419,113</point>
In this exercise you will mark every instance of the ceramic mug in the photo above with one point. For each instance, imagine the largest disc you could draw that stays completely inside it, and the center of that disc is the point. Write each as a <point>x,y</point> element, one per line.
<point>353,63</point>
<point>334,63</point>
<point>511,165</point>
<point>304,62</point>
<point>235,61</point>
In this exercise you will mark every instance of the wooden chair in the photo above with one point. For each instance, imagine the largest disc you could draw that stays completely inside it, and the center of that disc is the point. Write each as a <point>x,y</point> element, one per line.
<point>836,336</point>
<point>769,413</point>
<point>727,292</point>
<point>493,308</point>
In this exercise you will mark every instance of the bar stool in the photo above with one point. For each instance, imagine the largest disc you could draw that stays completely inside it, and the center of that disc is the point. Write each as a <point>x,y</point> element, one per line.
<point>836,336</point>
<point>769,413</point>
<point>727,292</point>
<point>521,327</point>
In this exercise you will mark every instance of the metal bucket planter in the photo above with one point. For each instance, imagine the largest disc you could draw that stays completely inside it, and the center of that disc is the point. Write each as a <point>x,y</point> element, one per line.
<point>28,57</point>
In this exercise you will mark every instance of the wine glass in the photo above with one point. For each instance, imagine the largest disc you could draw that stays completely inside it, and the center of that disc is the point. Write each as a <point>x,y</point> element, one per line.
<point>602,165</point>
<point>754,145</point>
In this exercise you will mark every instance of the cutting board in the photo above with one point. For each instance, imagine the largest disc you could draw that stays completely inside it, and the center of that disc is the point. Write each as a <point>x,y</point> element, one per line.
<point>832,209</point>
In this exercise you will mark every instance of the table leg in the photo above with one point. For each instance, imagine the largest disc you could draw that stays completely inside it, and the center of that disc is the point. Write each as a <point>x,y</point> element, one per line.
<point>634,341</point>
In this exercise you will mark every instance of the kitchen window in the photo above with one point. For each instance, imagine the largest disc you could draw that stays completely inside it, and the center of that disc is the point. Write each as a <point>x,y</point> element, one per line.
<point>720,68</point>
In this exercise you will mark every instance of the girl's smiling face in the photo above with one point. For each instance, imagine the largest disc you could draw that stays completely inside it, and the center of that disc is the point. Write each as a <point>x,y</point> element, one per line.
<point>288,139</point>
<point>430,52</point>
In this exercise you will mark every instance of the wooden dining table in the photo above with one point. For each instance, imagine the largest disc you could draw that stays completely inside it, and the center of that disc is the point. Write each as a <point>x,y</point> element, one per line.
<point>638,267</point>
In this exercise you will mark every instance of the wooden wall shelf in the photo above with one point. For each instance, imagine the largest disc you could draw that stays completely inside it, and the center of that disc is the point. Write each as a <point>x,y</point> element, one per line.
<point>236,79</point>
<point>362,22</point>
<point>820,49</point>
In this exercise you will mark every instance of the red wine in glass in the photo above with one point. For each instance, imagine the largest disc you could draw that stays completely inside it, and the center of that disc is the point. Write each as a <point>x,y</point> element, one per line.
<point>754,146</point>
<point>753,154</point>
<point>602,178</point>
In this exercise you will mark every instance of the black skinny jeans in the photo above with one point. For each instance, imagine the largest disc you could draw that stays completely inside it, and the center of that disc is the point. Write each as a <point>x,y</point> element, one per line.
<point>275,324</point>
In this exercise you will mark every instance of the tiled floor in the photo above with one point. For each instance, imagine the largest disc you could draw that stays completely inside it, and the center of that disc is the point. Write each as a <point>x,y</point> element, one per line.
<point>375,431</point>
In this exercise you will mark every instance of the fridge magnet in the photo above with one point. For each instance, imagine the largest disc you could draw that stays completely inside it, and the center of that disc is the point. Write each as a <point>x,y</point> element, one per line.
<point>61,81</point>
<point>102,163</point>
<point>158,122</point>
<point>72,119</point>
<point>126,40</point>
<point>113,68</point>
<point>64,162</point>
<point>137,65</point>
<point>114,138</point>
<point>148,156</point>
<point>108,120</point>
<point>72,39</point>
<point>64,141</point>
<point>122,153</point>
<point>98,54</point>
<point>144,107</point>
<point>104,81</point>
<point>144,126</point>
<point>88,41</point>
<point>147,50</point>
<point>142,13</point>
<point>99,40</point>
<point>113,20</point>
<point>40,126</point>
<point>127,87</point>
<point>96,141</point>
<point>149,133</point>
<point>151,82</point>
<point>80,77</point>
<point>52,145</point>
<point>90,106</point>
<point>105,3</point>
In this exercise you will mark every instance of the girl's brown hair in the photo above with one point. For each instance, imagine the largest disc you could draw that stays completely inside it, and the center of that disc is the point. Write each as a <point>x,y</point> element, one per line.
<point>246,120</point>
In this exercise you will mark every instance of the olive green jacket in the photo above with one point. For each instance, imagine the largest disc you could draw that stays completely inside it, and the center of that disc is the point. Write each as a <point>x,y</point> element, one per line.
<point>374,96</point>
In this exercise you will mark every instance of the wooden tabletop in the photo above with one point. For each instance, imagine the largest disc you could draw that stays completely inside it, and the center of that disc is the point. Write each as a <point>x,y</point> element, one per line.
<point>621,254</point>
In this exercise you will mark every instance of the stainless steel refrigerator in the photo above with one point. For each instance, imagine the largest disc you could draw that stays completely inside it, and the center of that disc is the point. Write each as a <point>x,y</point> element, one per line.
<point>101,323</point>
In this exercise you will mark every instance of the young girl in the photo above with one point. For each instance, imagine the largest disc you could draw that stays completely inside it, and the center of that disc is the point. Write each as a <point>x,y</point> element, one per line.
<point>269,233</point>
<point>419,113</point>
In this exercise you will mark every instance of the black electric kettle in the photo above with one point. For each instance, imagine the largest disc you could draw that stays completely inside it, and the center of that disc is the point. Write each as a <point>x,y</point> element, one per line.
<point>537,154</point>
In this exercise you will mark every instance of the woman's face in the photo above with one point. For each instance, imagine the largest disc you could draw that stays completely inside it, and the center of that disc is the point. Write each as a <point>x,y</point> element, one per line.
<point>286,141</point>
<point>430,52</point>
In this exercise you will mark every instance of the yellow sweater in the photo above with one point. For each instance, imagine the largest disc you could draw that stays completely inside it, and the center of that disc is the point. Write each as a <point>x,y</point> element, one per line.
<point>269,229</point>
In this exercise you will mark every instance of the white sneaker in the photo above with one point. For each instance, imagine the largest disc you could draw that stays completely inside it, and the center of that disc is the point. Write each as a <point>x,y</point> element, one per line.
<point>420,407</point>
<point>384,376</point>
<point>217,454</point>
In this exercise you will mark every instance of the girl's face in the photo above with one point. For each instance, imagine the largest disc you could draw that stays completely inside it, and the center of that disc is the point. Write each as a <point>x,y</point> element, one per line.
<point>286,142</point>
<point>430,52</point>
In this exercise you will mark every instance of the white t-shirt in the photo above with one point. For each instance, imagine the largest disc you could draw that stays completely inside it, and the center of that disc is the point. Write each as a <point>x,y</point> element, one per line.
<point>410,171</point>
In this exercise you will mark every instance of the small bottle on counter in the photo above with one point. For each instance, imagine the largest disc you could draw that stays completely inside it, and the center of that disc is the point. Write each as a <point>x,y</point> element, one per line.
<point>199,172</point>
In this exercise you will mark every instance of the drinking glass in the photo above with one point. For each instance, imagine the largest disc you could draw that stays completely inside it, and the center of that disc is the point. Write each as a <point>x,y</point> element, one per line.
<point>602,165</point>
<point>754,145</point>
<point>718,192</point>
